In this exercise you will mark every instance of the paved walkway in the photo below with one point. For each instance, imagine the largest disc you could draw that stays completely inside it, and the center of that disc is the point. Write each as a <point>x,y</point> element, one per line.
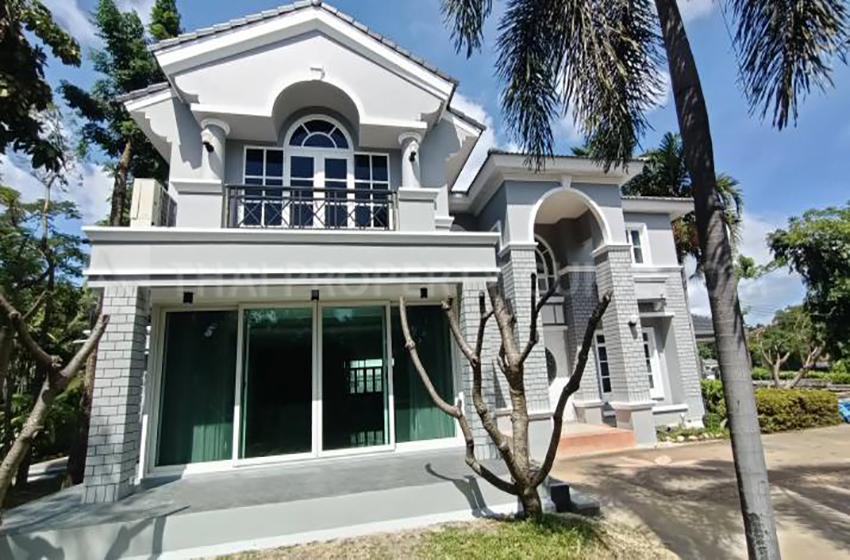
<point>687,494</point>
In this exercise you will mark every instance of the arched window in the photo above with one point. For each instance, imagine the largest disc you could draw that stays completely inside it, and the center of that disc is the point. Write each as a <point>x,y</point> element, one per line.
<point>319,133</point>
<point>546,268</point>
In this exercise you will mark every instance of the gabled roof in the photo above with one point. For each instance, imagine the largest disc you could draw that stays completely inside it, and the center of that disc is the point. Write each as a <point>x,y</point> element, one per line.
<point>267,15</point>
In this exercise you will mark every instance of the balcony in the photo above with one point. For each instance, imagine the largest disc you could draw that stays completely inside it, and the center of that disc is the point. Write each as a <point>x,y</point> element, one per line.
<point>306,207</point>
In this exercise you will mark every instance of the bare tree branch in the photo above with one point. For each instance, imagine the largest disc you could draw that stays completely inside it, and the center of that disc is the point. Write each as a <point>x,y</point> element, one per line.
<point>536,307</point>
<point>571,387</point>
<point>808,365</point>
<point>456,411</point>
<point>455,329</point>
<point>51,363</point>
<point>36,305</point>
<point>56,382</point>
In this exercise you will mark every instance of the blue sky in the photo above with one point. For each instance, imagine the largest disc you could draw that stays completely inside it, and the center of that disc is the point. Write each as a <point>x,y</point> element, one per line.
<point>781,173</point>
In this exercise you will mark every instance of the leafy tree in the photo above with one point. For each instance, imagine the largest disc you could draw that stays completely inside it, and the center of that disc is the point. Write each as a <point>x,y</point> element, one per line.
<point>599,60</point>
<point>791,339</point>
<point>23,90</point>
<point>125,65</point>
<point>817,246</point>
<point>165,20</point>
<point>665,174</point>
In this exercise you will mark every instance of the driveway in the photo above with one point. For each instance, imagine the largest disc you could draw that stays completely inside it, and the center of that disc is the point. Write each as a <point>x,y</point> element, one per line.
<point>687,494</point>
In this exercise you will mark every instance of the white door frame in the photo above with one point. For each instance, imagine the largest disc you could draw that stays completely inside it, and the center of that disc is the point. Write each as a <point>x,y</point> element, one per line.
<point>318,370</point>
<point>657,392</point>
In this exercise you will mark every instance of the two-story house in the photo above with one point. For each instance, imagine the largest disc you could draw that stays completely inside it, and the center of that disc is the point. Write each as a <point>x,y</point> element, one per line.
<point>313,168</point>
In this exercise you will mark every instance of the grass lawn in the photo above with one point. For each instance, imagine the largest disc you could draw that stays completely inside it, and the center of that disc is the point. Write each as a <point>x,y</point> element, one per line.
<point>555,536</point>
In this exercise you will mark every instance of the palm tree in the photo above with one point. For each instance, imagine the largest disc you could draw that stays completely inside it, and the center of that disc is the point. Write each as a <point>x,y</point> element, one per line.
<point>665,174</point>
<point>599,61</point>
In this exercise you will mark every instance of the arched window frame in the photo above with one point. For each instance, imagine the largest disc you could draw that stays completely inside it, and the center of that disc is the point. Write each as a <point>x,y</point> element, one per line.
<point>544,259</point>
<point>303,121</point>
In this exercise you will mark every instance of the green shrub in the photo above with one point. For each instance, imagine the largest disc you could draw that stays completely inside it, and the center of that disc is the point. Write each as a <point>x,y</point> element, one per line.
<point>712,396</point>
<point>778,409</point>
<point>838,378</point>
<point>795,409</point>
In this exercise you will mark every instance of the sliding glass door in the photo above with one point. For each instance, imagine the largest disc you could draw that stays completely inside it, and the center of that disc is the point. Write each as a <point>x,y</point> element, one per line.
<point>198,376</point>
<point>355,392</point>
<point>311,380</point>
<point>417,418</point>
<point>277,382</point>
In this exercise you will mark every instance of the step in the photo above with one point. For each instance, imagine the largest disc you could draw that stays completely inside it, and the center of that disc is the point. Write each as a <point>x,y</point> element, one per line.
<point>589,439</point>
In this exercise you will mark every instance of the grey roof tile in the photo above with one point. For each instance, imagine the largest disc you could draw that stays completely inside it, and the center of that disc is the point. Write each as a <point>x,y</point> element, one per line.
<point>288,8</point>
<point>153,88</point>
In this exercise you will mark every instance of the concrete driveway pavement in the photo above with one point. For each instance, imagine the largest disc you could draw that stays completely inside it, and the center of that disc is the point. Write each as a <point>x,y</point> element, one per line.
<point>687,494</point>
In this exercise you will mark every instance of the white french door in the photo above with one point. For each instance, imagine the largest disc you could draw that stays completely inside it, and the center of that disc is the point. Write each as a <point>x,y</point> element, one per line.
<point>322,188</point>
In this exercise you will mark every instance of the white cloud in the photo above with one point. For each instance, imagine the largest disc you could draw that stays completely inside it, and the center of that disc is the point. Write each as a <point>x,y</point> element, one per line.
<point>762,297</point>
<point>91,194</point>
<point>77,21</point>
<point>485,142</point>
<point>695,9</point>
<point>74,19</point>
<point>142,7</point>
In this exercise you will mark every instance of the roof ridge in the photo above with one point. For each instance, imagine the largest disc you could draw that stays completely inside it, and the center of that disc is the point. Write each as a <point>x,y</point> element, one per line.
<point>289,8</point>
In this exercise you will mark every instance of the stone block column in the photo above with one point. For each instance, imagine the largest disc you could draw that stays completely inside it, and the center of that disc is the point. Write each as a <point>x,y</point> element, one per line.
<point>689,369</point>
<point>623,337</point>
<point>517,266</point>
<point>469,318</point>
<point>581,299</point>
<point>115,430</point>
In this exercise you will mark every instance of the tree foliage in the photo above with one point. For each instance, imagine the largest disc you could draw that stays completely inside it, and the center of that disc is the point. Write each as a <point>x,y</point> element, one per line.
<point>125,64</point>
<point>24,92</point>
<point>817,246</point>
<point>792,340</point>
<point>665,174</point>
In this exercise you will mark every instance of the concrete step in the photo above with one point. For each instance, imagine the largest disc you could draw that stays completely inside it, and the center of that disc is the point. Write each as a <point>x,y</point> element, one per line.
<point>589,439</point>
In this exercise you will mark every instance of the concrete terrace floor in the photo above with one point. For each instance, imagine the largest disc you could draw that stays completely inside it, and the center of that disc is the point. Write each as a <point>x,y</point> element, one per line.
<point>687,495</point>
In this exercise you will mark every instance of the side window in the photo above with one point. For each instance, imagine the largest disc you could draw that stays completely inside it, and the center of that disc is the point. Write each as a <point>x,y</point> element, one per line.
<point>602,363</point>
<point>546,268</point>
<point>636,237</point>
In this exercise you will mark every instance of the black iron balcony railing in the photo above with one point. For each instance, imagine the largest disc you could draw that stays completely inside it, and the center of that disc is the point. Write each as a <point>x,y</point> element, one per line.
<point>264,206</point>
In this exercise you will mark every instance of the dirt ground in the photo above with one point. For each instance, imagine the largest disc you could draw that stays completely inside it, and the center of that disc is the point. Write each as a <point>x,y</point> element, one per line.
<point>687,495</point>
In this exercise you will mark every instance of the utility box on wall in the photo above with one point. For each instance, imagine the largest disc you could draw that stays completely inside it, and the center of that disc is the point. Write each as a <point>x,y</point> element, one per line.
<point>153,205</point>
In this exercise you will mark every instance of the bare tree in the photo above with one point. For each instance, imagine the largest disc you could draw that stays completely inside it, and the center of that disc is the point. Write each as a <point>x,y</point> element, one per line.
<point>526,476</point>
<point>59,374</point>
<point>792,336</point>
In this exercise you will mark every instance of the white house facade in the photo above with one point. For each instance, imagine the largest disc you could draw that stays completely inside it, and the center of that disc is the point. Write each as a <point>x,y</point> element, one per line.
<point>254,299</point>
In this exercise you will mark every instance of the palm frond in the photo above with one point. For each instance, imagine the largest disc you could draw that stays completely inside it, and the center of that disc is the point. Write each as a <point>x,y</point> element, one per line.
<point>732,202</point>
<point>594,59</point>
<point>785,47</point>
<point>466,20</point>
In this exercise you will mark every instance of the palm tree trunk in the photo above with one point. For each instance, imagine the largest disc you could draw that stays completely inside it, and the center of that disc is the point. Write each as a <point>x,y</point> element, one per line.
<point>119,187</point>
<point>750,467</point>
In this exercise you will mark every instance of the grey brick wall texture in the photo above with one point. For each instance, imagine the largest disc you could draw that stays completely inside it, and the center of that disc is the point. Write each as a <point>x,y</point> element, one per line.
<point>469,318</point>
<point>516,278</point>
<point>579,303</point>
<point>689,374</point>
<point>629,378</point>
<point>115,431</point>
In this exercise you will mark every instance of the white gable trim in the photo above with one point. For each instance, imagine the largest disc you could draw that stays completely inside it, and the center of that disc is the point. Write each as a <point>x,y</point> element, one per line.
<point>185,56</point>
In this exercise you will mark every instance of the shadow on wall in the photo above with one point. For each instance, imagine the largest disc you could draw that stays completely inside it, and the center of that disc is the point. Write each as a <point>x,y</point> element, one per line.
<point>36,546</point>
<point>468,486</point>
